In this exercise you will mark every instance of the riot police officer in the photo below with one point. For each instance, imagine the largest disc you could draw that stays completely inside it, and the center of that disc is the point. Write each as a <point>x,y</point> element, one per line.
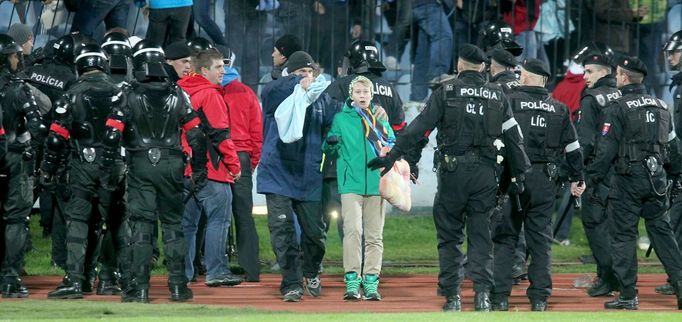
<point>673,53</point>
<point>597,60</point>
<point>22,122</point>
<point>119,52</point>
<point>499,34</point>
<point>549,138</point>
<point>149,127</point>
<point>473,119</point>
<point>79,124</point>
<point>637,140</point>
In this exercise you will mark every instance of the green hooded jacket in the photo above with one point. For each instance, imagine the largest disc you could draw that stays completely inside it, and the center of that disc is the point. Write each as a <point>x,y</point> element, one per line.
<point>353,152</point>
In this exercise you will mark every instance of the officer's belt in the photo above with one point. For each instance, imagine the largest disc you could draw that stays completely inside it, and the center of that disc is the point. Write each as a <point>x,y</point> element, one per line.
<point>156,154</point>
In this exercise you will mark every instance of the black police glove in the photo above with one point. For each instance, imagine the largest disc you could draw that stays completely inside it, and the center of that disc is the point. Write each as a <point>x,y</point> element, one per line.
<point>676,188</point>
<point>333,140</point>
<point>516,187</point>
<point>385,162</point>
<point>199,180</point>
<point>414,172</point>
<point>47,180</point>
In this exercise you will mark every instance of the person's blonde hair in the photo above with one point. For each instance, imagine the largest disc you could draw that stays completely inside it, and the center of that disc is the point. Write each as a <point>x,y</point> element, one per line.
<point>362,80</point>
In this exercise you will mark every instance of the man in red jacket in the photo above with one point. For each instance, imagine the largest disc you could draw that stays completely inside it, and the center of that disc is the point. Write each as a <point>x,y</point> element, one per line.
<point>215,198</point>
<point>246,125</point>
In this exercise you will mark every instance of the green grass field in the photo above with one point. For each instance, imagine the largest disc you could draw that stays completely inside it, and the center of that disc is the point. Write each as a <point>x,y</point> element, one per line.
<point>410,247</point>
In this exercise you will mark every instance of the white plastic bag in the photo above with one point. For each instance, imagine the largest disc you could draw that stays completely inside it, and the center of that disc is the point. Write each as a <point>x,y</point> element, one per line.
<point>395,186</point>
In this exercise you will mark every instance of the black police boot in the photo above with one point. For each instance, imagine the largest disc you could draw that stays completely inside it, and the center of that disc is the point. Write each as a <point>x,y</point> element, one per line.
<point>180,293</point>
<point>453,303</point>
<point>88,284</point>
<point>500,303</point>
<point>68,289</point>
<point>666,289</point>
<point>678,287</point>
<point>135,295</point>
<point>621,303</point>
<point>105,287</point>
<point>538,305</point>
<point>482,302</point>
<point>600,287</point>
<point>14,289</point>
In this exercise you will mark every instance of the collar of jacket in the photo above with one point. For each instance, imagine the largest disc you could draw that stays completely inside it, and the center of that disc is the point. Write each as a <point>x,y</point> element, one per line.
<point>506,75</point>
<point>534,91</point>
<point>608,81</point>
<point>633,89</point>
<point>471,75</point>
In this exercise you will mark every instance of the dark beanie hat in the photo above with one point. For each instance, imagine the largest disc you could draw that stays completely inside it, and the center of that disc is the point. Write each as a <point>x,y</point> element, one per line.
<point>472,54</point>
<point>287,45</point>
<point>298,60</point>
<point>177,50</point>
<point>20,33</point>
<point>537,67</point>
<point>633,64</point>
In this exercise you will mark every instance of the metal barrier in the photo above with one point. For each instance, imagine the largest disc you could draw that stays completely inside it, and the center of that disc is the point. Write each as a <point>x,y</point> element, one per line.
<point>327,31</point>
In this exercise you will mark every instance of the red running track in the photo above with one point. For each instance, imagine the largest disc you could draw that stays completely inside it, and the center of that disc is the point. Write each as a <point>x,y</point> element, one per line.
<point>409,293</point>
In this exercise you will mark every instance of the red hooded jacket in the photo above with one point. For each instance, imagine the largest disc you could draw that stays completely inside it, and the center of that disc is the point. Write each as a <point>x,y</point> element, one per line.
<point>246,119</point>
<point>207,96</point>
<point>568,91</point>
<point>519,19</point>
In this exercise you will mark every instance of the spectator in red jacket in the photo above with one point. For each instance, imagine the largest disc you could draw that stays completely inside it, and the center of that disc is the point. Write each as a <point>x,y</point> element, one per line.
<point>214,199</point>
<point>569,89</point>
<point>522,15</point>
<point>246,125</point>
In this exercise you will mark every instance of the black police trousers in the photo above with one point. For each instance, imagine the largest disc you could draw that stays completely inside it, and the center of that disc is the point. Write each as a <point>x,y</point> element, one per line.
<point>283,238</point>
<point>632,196</point>
<point>537,207</point>
<point>470,189</point>
<point>596,226</point>
<point>242,210</point>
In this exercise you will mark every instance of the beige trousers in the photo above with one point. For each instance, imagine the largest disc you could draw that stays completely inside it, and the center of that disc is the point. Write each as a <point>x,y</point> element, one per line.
<point>362,215</point>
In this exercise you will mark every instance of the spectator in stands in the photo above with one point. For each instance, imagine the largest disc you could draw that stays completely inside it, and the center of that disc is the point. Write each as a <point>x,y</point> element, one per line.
<point>330,32</point>
<point>201,10</point>
<point>522,15</point>
<point>91,13</point>
<point>246,125</point>
<point>168,19</point>
<point>22,34</point>
<point>294,17</point>
<point>615,20</point>
<point>433,41</point>
<point>244,34</point>
<point>650,29</point>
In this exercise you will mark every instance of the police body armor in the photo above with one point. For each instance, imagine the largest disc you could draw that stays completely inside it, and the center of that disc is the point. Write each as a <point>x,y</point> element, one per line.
<point>21,115</point>
<point>645,129</point>
<point>541,120</point>
<point>91,99</point>
<point>52,78</point>
<point>157,109</point>
<point>473,119</point>
<point>507,80</point>
<point>603,95</point>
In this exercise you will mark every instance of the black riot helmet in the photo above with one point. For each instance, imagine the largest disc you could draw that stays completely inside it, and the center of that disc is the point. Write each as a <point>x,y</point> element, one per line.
<point>672,45</point>
<point>499,34</point>
<point>117,47</point>
<point>198,44</point>
<point>7,47</point>
<point>362,57</point>
<point>592,48</point>
<point>67,47</point>
<point>148,60</point>
<point>91,56</point>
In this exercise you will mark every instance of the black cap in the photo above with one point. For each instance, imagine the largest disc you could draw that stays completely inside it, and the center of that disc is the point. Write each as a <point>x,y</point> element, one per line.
<point>472,54</point>
<point>536,66</point>
<point>177,50</point>
<point>503,57</point>
<point>298,60</point>
<point>597,60</point>
<point>287,45</point>
<point>633,64</point>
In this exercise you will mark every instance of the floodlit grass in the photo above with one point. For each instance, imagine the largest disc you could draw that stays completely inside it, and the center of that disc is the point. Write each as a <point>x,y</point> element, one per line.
<point>90,311</point>
<point>408,241</point>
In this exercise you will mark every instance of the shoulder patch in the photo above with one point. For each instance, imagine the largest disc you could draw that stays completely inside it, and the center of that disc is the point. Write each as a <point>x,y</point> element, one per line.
<point>600,99</point>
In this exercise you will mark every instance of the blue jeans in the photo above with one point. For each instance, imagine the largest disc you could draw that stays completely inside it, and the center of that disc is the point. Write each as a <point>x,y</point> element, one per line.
<point>92,12</point>
<point>214,201</point>
<point>433,55</point>
<point>532,46</point>
<point>201,11</point>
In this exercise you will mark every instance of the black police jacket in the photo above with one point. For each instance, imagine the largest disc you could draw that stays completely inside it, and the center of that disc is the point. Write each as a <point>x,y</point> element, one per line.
<point>507,80</point>
<point>593,103</point>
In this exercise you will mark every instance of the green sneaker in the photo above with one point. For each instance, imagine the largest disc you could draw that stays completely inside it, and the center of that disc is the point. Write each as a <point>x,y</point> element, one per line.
<point>353,281</point>
<point>370,286</point>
